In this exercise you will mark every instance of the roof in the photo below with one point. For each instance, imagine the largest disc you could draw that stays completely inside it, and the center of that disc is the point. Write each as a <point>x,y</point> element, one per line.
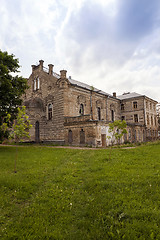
<point>86,86</point>
<point>129,95</point>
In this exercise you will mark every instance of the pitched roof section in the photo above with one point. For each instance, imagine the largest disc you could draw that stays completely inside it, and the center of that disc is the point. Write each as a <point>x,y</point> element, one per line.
<point>129,95</point>
<point>86,86</point>
<point>82,85</point>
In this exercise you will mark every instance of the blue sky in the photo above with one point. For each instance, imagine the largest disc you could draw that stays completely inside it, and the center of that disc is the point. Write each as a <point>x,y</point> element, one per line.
<point>113,45</point>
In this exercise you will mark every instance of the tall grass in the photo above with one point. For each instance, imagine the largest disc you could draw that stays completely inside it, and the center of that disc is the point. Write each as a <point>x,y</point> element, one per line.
<point>80,194</point>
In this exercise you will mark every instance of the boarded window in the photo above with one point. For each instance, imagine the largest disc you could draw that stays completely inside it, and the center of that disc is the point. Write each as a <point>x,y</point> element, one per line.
<point>70,137</point>
<point>82,137</point>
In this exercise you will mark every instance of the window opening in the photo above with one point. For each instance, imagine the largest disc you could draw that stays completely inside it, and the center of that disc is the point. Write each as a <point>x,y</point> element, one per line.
<point>49,111</point>
<point>81,110</point>
<point>35,85</point>
<point>38,83</point>
<point>135,105</point>
<point>99,113</point>
<point>122,106</point>
<point>135,118</point>
<point>112,115</point>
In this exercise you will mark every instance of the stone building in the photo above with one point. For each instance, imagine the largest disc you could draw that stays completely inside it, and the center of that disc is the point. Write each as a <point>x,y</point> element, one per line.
<point>66,111</point>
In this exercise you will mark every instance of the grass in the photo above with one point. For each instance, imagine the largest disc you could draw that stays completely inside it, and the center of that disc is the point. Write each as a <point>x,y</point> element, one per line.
<point>80,194</point>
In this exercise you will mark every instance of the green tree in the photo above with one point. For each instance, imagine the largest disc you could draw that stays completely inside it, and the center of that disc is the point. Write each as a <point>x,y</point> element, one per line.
<point>12,87</point>
<point>116,129</point>
<point>19,130</point>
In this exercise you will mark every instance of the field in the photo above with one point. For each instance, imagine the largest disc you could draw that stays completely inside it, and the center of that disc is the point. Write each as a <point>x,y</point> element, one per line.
<point>80,194</point>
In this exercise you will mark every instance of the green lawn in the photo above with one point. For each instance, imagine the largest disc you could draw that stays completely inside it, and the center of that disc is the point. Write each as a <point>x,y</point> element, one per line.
<point>80,194</point>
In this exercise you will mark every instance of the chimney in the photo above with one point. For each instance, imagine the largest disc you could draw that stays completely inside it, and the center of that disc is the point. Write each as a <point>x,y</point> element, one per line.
<point>41,64</point>
<point>114,94</point>
<point>63,74</point>
<point>50,69</point>
<point>33,67</point>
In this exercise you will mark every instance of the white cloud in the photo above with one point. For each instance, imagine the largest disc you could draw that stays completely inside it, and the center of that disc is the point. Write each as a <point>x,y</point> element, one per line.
<point>92,40</point>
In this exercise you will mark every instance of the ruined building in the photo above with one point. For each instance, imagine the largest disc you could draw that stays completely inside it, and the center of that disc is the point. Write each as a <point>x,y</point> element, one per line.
<point>66,111</point>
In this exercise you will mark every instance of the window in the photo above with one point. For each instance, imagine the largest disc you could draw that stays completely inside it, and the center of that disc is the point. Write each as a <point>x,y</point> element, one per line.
<point>139,135</point>
<point>151,120</point>
<point>134,105</point>
<point>129,134</point>
<point>135,118</point>
<point>150,106</point>
<point>50,109</point>
<point>112,115</point>
<point>70,137</point>
<point>122,106</point>
<point>122,118</point>
<point>99,113</point>
<point>35,87</point>
<point>146,104</point>
<point>155,121</point>
<point>82,136</point>
<point>81,110</point>
<point>147,119</point>
<point>36,84</point>
<point>135,135</point>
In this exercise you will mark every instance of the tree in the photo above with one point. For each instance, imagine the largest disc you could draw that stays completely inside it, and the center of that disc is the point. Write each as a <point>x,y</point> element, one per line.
<point>117,129</point>
<point>12,87</point>
<point>19,129</point>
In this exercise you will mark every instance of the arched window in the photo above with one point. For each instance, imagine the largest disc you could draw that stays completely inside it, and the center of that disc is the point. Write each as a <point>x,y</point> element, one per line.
<point>99,113</point>
<point>38,83</point>
<point>70,137</point>
<point>50,111</point>
<point>81,110</point>
<point>82,136</point>
<point>35,87</point>
<point>112,115</point>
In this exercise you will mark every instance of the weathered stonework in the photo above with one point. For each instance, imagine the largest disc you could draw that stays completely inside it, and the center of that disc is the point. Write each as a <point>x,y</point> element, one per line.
<point>66,111</point>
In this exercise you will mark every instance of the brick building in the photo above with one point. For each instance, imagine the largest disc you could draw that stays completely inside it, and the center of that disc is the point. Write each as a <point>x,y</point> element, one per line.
<point>66,111</point>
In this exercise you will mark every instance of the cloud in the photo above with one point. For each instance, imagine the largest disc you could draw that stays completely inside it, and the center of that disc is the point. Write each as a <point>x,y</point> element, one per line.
<point>136,19</point>
<point>113,45</point>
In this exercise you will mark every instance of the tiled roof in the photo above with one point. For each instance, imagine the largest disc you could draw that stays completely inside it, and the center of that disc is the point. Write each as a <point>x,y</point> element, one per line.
<point>129,95</point>
<point>86,86</point>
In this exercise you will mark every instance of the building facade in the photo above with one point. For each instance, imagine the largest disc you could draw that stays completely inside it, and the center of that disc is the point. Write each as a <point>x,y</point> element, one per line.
<point>66,111</point>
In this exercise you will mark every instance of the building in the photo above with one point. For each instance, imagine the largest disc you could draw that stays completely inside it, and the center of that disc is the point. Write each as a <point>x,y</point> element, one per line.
<point>66,111</point>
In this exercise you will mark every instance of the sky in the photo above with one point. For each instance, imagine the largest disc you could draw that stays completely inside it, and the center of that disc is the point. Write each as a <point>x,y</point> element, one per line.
<point>113,45</point>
